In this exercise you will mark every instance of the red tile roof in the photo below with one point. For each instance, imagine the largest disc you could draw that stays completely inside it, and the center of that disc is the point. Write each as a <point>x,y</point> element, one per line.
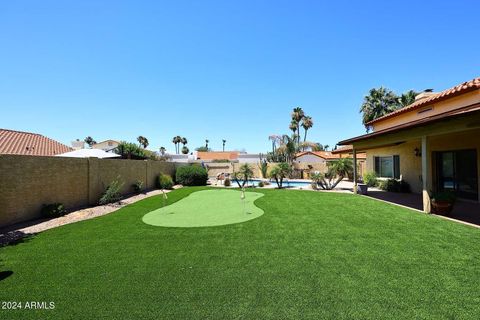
<point>322,154</point>
<point>27,143</point>
<point>212,155</point>
<point>465,87</point>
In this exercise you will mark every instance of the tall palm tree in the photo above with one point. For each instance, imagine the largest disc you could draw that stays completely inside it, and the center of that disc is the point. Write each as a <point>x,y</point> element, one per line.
<point>223,144</point>
<point>377,103</point>
<point>297,116</point>
<point>184,141</point>
<point>293,126</point>
<point>179,140</point>
<point>407,98</point>
<point>206,143</point>
<point>274,139</point>
<point>307,123</point>
<point>162,151</point>
<point>143,141</point>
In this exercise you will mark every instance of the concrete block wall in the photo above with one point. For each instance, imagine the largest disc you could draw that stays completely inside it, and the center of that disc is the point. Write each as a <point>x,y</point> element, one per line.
<point>28,182</point>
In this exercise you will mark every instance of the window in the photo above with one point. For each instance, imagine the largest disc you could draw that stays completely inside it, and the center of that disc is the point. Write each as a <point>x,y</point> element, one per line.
<point>387,166</point>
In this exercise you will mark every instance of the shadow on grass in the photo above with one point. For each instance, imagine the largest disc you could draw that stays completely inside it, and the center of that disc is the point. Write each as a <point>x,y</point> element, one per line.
<point>13,238</point>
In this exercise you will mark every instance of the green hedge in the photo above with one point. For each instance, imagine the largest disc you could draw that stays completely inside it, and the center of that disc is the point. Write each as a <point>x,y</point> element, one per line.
<point>192,176</point>
<point>164,182</point>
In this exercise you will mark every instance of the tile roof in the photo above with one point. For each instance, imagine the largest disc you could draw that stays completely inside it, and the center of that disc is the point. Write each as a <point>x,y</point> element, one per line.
<point>464,87</point>
<point>322,154</point>
<point>212,155</point>
<point>27,143</point>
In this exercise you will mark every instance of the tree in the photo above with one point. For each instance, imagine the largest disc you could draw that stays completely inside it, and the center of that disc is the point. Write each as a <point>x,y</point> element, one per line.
<point>378,103</point>
<point>130,150</point>
<point>185,150</point>
<point>318,147</point>
<point>297,116</point>
<point>293,126</point>
<point>407,98</point>
<point>162,151</point>
<point>244,174</point>
<point>307,123</point>
<point>280,172</point>
<point>206,143</point>
<point>336,171</point>
<point>274,138</point>
<point>89,140</point>
<point>177,140</point>
<point>184,141</point>
<point>223,144</point>
<point>143,141</point>
<point>325,147</point>
<point>202,149</point>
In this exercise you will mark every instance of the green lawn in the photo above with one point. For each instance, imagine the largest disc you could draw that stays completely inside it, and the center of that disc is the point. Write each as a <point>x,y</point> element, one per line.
<point>310,255</point>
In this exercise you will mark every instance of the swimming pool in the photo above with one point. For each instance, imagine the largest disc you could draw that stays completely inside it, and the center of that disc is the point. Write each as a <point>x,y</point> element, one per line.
<point>286,183</point>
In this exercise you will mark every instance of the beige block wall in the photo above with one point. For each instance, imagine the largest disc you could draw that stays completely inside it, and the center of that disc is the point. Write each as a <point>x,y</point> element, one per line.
<point>28,182</point>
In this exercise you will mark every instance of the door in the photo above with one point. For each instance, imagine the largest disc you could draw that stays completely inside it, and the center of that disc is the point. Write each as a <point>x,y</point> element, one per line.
<point>457,172</point>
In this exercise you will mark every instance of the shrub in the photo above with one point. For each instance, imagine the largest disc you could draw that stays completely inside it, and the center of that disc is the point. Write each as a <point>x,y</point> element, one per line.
<point>370,179</point>
<point>112,193</point>
<point>192,176</point>
<point>447,196</point>
<point>227,182</point>
<point>137,186</point>
<point>261,184</point>
<point>53,210</point>
<point>393,185</point>
<point>164,181</point>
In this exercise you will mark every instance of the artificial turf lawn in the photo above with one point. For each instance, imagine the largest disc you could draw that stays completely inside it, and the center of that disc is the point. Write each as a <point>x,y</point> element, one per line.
<point>207,208</point>
<point>311,255</point>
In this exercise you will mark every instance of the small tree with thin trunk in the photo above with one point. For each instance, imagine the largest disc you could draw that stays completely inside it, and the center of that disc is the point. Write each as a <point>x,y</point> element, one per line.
<point>280,172</point>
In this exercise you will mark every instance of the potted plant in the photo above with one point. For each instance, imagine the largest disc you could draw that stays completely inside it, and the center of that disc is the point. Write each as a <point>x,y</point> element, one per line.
<point>442,202</point>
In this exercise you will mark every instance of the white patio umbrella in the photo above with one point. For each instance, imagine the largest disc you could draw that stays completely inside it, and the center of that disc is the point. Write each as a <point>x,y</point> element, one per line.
<point>88,153</point>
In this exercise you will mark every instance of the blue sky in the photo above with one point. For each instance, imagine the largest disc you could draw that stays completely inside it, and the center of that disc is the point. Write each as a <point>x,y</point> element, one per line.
<point>221,69</point>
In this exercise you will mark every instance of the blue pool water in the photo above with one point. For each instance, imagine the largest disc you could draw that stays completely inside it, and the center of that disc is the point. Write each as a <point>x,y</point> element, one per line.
<point>286,183</point>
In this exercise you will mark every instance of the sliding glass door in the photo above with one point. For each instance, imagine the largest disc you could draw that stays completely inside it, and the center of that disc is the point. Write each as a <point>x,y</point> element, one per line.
<point>456,171</point>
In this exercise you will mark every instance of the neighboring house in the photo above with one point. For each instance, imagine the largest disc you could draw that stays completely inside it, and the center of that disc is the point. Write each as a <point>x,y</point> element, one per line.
<point>249,158</point>
<point>27,143</point>
<point>107,145</point>
<point>433,144</point>
<point>315,157</point>
<point>217,156</point>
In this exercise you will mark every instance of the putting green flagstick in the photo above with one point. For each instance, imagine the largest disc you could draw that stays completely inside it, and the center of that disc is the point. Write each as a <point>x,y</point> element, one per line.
<point>242,197</point>
<point>165,197</point>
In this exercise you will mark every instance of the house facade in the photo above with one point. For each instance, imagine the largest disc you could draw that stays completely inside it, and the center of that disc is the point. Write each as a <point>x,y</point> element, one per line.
<point>433,144</point>
<point>107,145</point>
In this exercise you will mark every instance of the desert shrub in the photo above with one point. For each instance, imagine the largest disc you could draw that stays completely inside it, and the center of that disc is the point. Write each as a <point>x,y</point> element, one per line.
<point>393,185</point>
<point>370,179</point>
<point>53,210</point>
<point>192,176</point>
<point>227,182</point>
<point>164,181</point>
<point>112,193</point>
<point>261,184</point>
<point>137,186</point>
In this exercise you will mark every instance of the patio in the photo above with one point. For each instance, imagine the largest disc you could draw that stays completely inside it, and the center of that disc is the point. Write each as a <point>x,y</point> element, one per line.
<point>463,210</point>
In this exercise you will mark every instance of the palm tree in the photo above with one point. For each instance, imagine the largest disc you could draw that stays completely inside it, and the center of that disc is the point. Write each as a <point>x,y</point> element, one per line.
<point>206,143</point>
<point>185,150</point>
<point>174,141</point>
<point>184,141</point>
<point>89,140</point>
<point>143,141</point>
<point>280,172</point>
<point>307,123</point>
<point>162,151</point>
<point>378,103</point>
<point>297,116</point>
<point>274,139</point>
<point>293,126</point>
<point>407,98</point>
<point>223,144</point>
<point>325,147</point>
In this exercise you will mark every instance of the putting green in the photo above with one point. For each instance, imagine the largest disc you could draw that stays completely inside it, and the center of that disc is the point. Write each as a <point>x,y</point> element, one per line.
<point>206,208</point>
